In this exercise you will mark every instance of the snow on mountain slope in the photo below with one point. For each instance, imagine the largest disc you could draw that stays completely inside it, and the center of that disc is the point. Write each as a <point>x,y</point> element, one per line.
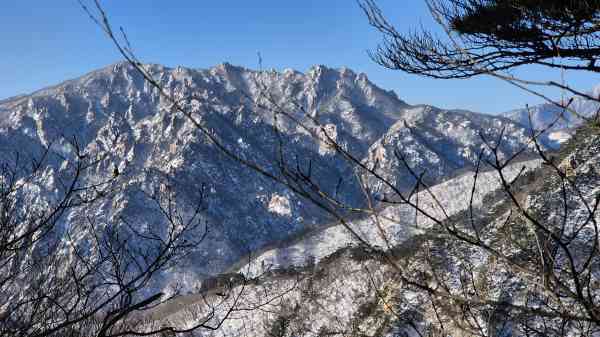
<point>396,224</point>
<point>119,118</point>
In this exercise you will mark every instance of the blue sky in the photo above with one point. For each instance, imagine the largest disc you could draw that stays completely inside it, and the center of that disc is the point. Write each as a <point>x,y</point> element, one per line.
<point>46,42</point>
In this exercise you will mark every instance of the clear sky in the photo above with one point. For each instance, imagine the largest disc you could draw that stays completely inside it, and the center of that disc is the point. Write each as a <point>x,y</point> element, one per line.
<point>47,41</point>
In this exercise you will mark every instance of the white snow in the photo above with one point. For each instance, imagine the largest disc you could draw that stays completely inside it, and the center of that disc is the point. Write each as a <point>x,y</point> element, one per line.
<point>559,137</point>
<point>280,205</point>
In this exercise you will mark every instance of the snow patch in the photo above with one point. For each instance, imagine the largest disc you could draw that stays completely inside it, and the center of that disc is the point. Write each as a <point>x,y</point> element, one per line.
<point>280,205</point>
<point>559,136</point>
<point>327,135</point>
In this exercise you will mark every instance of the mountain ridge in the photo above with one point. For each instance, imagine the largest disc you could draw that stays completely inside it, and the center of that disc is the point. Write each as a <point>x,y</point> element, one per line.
<point>115,115</point>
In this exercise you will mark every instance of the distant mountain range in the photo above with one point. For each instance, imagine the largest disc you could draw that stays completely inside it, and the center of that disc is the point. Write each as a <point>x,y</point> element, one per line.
<point>563,121</point>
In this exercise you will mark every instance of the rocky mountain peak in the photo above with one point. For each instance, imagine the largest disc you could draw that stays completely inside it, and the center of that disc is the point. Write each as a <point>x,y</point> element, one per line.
<point>118,117</point>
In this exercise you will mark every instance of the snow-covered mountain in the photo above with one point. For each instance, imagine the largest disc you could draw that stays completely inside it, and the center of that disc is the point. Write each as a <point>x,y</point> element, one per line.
<point>544,115</point>
<point>119,118</point>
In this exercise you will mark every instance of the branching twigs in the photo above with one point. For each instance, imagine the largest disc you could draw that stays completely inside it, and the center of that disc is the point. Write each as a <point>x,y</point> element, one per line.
<point>480,52</point>
<point>557,290</point>
<point>69,274</point>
